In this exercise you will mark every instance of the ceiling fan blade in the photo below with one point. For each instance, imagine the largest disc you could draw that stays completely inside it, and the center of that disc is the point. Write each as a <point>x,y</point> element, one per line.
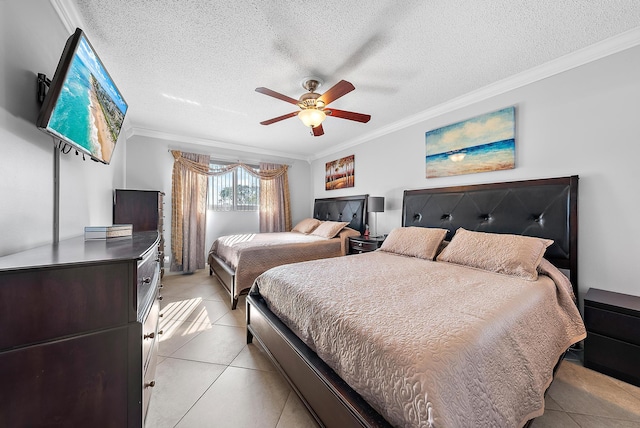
<point>342,114</point>
<point>336,91</point>
<point>317,131</point>
<point>277,95</point>
<point>279,118</point>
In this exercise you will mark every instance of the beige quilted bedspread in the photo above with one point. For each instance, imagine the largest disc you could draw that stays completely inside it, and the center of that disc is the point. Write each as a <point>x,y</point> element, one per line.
<point>430,344</point>
<point>252,254</point>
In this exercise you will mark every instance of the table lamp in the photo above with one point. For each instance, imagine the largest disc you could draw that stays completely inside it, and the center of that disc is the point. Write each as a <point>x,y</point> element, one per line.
<point>376,205</point>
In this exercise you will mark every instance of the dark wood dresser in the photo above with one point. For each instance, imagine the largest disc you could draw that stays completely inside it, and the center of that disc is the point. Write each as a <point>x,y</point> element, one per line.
<point>78,332</point>
<point>144,209</point>
<point>612,345</point>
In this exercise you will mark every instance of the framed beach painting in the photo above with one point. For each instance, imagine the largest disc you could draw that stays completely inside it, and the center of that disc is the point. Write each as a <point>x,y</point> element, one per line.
<point>340,174</point>
<point>480,144</point>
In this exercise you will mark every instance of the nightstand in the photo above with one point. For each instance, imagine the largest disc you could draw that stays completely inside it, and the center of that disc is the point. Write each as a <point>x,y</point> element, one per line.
<point>360,244</point>
<point>612,345</point>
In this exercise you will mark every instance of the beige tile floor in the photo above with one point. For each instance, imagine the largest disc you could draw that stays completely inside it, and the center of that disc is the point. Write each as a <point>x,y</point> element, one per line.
<point>208,377</point>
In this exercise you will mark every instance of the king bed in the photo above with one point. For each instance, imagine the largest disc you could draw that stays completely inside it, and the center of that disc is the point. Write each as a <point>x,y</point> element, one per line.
<point>457,320</point>
<point>236,260</point>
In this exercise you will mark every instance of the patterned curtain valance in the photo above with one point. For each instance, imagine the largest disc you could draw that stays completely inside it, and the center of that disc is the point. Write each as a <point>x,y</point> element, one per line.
<point>201,169</point>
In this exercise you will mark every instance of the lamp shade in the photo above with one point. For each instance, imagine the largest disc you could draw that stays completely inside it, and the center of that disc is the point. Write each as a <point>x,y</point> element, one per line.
<point>376,204</point>
<point>312,117</point>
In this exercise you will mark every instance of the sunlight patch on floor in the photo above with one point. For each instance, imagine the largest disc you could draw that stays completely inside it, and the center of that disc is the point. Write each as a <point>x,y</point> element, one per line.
<point>175,313</point>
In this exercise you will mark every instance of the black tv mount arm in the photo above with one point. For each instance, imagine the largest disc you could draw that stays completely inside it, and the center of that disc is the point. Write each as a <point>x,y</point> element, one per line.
<point>43,81</point>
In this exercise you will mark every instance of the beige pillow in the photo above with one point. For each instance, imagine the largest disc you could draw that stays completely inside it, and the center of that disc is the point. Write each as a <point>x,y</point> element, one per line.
<point>329,229</point>
<point>348,232</point>
<point>422,242</point>
<point>307,225</point>
<point>501,253</point>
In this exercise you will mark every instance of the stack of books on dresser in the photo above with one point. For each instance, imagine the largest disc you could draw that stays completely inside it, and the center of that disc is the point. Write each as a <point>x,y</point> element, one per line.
<point>108,232</point>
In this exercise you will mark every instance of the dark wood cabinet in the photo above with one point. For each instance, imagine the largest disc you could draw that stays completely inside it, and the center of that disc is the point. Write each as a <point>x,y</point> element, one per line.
<point>78,332</point>
<point>361,244</point>
<point>612,345</point>
<point>144,209</point>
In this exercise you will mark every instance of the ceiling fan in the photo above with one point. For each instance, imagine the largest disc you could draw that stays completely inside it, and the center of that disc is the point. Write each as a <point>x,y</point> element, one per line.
<point>313,106</point>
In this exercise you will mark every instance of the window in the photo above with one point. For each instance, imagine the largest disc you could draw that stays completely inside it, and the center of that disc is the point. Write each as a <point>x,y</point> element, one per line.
<point>237,190</point>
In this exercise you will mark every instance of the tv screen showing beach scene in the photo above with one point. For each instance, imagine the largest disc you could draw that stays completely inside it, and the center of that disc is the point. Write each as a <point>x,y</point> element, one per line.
<point>87,110</point>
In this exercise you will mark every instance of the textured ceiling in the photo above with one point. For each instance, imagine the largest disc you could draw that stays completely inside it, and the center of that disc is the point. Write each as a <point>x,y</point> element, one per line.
<point>189,69</point>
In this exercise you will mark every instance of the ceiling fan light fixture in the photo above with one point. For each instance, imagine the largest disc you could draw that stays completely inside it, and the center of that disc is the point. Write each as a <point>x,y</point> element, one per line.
<point>312,117</point>
<point>312,105</point>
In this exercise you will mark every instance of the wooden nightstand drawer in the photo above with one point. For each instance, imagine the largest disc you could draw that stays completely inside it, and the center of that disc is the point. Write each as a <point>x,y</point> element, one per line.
<point>361,244</point>
<point>612,345</point>
<point>612,357</point>
<point>612,324</point>
<point>364,246</point>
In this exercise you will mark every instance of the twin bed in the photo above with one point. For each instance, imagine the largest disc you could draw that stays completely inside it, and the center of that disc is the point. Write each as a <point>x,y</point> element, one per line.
<point>455,321</point>
<point>237,260</point>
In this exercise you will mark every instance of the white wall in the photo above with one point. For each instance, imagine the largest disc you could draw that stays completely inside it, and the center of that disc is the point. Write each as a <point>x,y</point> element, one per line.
<point>32,40</point>
<point>150,165</point>
<point>583,121</point>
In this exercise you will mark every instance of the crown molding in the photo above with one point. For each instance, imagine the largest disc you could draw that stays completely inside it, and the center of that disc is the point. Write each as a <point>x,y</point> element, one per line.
<point>68,13</point>
<point>175,138</point>
<point>567,62</point>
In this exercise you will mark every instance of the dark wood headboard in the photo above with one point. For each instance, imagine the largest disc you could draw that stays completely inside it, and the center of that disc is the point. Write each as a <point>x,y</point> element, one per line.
<point>345,208</point>
<point>546,208</point>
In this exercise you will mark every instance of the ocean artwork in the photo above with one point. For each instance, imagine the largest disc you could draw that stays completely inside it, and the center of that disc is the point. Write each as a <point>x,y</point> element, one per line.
<point>90,110</point>
<point>481,144</point>
<point>340,173</point>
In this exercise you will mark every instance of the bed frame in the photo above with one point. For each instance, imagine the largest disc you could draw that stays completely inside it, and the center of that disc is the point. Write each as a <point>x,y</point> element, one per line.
<point>343,208</point>
<point>545,208</point>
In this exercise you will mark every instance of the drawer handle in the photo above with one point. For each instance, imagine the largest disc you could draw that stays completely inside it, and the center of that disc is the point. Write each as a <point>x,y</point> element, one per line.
<point>161,315</point>
<point>146,280</point>
<point>149,336</point>
<point>359,244</point>
<point>150,384</point>
<point>160,331</point>
<point>159,297</point>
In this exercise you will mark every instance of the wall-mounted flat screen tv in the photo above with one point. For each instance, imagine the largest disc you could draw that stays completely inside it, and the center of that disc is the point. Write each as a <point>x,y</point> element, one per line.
<point>83,106</point>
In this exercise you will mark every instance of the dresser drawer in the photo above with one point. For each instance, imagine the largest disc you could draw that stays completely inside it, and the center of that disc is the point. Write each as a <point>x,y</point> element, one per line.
<point>150,332</point>
<point>148,265</point>
<point>612,324</point>
<point>612,357</point>
<point>76,382</point>
<point>69,301</point>
<point>147,279</point>
<point>149,382</point>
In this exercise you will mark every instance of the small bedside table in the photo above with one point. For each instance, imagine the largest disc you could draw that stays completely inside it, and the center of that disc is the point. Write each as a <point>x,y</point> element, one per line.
<point>612,345</point>
<point>360,244</point>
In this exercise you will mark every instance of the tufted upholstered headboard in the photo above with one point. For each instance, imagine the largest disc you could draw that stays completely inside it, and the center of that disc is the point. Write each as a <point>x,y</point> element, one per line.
<point>546,208</point>
<point>345,208</point>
